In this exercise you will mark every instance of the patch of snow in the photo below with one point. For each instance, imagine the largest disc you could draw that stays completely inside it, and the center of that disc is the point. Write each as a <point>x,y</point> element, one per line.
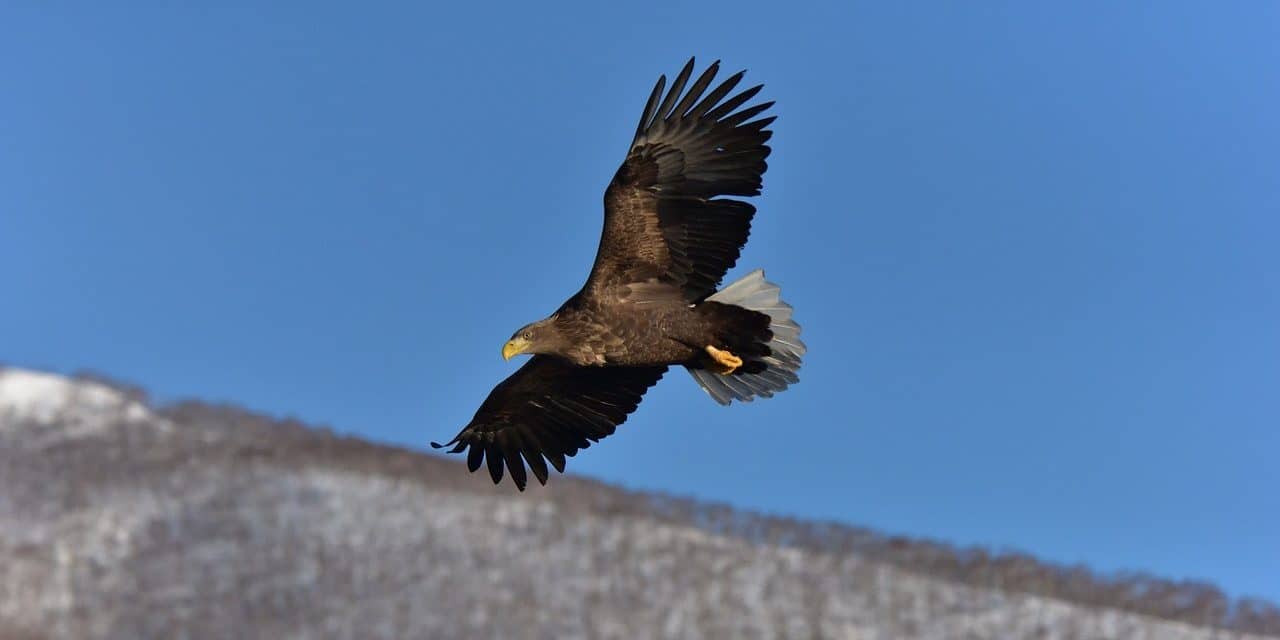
<point>46,398</point>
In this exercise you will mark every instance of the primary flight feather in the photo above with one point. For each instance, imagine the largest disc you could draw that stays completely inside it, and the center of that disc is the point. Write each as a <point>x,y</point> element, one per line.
<point>650,301</point>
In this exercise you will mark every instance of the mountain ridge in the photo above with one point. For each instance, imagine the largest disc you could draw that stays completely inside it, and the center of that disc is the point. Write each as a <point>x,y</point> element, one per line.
<point>277,506</point>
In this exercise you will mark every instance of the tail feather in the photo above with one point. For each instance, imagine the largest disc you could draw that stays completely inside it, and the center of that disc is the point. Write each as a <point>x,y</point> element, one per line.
<point>753,292</point>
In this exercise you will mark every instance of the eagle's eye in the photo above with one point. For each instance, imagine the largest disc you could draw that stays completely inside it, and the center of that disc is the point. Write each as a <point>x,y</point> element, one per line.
<point>528,335</point>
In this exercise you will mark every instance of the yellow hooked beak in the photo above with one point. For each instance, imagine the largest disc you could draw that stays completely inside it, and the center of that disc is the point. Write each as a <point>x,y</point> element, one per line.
<point>513,347</point>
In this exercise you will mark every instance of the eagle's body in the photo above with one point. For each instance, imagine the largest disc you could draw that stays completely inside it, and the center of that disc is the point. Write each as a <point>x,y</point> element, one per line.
<point>650,335</point>
<point>660,332</point>
<point>650,301</point>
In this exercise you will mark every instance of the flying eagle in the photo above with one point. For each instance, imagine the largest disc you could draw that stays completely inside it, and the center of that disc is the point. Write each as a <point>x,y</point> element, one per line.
<point>650,301</point>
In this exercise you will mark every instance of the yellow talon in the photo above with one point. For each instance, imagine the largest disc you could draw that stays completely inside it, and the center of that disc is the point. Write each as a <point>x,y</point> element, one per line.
<point>728,363</point>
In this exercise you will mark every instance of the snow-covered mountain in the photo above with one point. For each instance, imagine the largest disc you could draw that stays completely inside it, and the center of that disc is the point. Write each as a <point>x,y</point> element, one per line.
<point>123,520</point>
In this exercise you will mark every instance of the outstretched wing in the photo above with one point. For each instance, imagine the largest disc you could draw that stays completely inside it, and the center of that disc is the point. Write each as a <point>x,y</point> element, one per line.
<point>549,409</point>
<point>663,220</point>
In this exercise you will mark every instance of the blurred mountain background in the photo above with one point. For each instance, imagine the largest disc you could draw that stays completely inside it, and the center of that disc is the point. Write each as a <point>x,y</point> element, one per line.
<point>120,519</point>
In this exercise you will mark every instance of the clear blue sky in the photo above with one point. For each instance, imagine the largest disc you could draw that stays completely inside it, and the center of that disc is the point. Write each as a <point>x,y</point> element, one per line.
<point>1033,247</point>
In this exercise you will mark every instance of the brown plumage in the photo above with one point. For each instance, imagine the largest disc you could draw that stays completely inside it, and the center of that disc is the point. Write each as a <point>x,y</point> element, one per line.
<point>650,301</point>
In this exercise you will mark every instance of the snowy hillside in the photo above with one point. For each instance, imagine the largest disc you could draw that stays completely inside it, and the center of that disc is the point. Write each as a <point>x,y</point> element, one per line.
<point>33,398</point>
<point>118,520</point>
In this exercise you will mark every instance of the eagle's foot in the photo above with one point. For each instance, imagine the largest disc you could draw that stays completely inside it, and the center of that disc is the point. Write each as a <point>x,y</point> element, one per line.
<point>723,362</point>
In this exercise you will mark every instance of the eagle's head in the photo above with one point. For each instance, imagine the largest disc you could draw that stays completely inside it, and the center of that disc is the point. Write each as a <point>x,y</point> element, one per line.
<point>537,337</point>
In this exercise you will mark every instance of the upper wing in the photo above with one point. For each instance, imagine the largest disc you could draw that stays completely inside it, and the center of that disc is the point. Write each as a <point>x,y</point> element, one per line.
<point>549,408</point>
<point>662,221</point>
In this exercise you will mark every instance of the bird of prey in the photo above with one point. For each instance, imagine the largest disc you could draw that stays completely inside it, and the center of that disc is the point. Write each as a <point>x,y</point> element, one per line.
<point>650,301</point>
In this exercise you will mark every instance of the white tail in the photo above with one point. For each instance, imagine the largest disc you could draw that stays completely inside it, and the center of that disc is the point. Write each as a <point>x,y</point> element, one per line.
<point>754,292</point>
